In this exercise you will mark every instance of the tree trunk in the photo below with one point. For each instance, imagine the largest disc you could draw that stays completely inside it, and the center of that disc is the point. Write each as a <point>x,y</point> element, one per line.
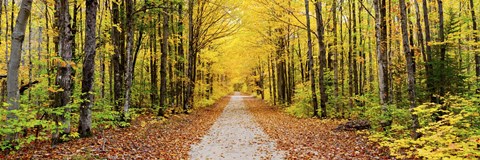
<point>118,58</point>
<point>13,97</point>
<point>410,65</point>
<point>191,60</point>
<point>477,39</point>
<point>163,64</point>
<point>300,58</point>
<point>129,57</point>
<point>310,60</point>
<point>85,123</point>
<point>323,59</point>
<point>355,50</point>
<point>64,74</point>
<point>421,42</point>
<point>443,47</point>
<point>281,75</point>
<point>269,61</point>
<point>181,62</point>
<point>381,42</point>
<point>428,51</point>
<point>335,54</point>
<point>351,47</point>
<point>153,69</point>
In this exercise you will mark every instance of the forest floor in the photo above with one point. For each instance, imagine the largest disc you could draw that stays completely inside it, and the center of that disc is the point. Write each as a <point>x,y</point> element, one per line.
<point>312,138</point>
<point>146,138</point>
<point>236,127</point>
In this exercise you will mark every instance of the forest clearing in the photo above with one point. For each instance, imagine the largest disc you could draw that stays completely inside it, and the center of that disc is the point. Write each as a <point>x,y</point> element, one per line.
<point>230,79</point>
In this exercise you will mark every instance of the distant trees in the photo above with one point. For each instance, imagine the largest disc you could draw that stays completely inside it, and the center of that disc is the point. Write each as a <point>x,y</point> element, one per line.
<point>346,44</point>
<point>136,57</point>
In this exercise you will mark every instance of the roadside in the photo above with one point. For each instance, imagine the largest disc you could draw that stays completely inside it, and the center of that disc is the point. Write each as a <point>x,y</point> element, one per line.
<point>145,139</point>
<point>311,138</point>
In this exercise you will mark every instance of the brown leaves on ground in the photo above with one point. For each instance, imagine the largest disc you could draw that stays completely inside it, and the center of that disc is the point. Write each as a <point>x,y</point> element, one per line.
<point>311,138</point>
<point>147,138</point>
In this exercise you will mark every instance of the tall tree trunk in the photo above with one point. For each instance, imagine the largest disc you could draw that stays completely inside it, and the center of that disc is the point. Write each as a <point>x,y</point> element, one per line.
<point>410,65</point>
<point>443,47</point>
<point>281,79</point>
<point>181,62</point>
<point>310,60</point>
<point>274,79</point>
<point>13,96</point>
<point>323,59</point>
<point>355,48</point>
<point>6,33</point>
<point>117,58</point>
<point>270,86</point>
<point>64,74</point>
<point>335,54</point>
<point>381,42</point>
<point>421,42</point>
<point>428,51</point>
<point>477,39</point>
<point>300,58</point>
<point>129,57</point>
<point>85,123</point>
<point>191,60</point>
<point>163,64</point>
<point>153,69</point>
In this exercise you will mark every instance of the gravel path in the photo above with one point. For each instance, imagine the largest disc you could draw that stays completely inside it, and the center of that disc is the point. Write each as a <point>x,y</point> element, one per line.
<point>235,135</point>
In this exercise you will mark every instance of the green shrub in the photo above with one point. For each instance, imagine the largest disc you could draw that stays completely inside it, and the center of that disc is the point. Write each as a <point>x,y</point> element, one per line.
<point>455,134</point>
<point>302,104</point>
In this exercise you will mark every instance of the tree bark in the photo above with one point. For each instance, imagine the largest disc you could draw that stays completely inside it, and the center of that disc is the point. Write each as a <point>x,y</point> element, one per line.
<point>477,39</point>
<point>118,58</point>
<point>310,60</point>
<point>191,60</point>
<point>443,47</point>
<point>153,69</point>
<point>323,59</point>
<point>85,123</point>
<point>129,57</point>
<point>13,97</point>
<point>64,77</point>
<point>163,64</point>
<point>410,66</point>
<point>421,42</point>
<point>381,43</point>
<point>181,62</point>
<point>429,69</point>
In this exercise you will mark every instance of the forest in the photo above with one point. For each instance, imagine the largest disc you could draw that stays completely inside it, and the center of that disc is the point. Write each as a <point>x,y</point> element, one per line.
<point>404,74</point>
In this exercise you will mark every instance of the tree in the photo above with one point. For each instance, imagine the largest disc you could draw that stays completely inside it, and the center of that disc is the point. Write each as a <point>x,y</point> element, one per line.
<point>443,47</point>
<point>410,65</point>
<point>310,60</point>
<point>85,123</point>
<point>129,58</point>
<point>13,96</point>
<point>64,69</point>
<point>118,58</point>
<point>323,59</point>
<point>477,39</point>
<point>191,60</point>
<point>163,65</point>
<point>429,68</point>
<point>381,42</point>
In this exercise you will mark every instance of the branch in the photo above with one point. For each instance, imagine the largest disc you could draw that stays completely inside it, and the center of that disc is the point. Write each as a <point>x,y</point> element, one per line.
<point>27,86</point>
<point>370,13</point>
<point>3,76</point>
